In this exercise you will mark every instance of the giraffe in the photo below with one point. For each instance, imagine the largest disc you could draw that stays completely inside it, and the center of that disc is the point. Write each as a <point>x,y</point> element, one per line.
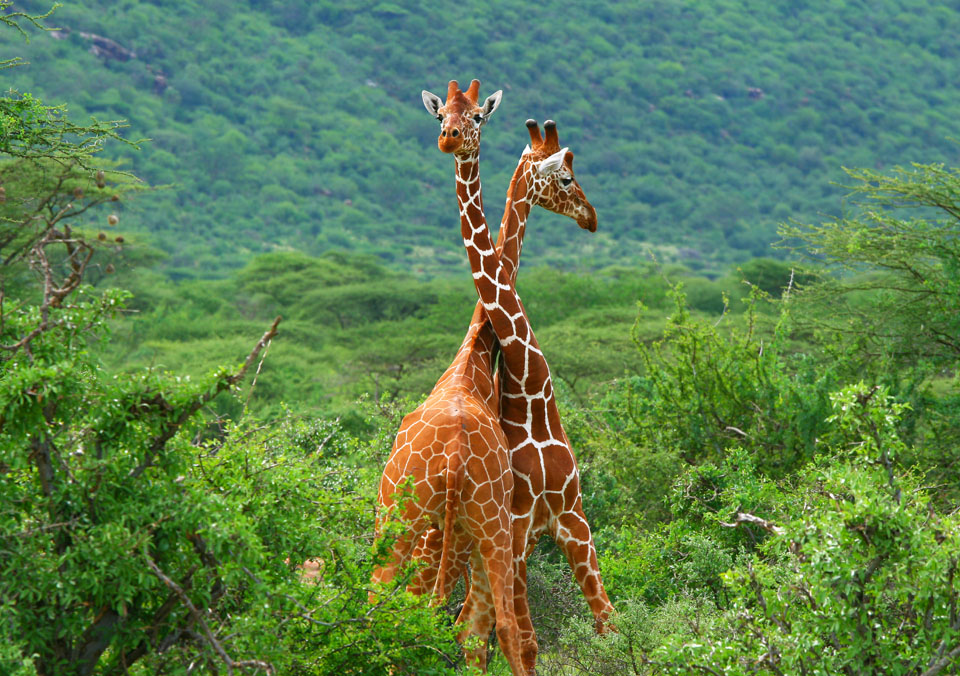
<point>455,451</point>
<point>546,487</point>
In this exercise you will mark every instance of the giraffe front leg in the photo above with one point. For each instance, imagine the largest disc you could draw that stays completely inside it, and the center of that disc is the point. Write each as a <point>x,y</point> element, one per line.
<point>572,534</point>
<point>524,542</point>
<point>528,635</point>
<point>496,555</point>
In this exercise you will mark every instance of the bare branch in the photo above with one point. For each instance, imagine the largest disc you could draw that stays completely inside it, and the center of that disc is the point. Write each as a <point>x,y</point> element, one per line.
<point>198,617</point>
<point>744,517</point>
<point>942,662</point>
<point>53,294</point>
<point>173,426</point>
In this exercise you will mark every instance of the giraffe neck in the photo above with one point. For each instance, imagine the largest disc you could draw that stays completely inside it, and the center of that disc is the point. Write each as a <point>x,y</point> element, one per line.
<point>493,284</point>
<point>547,485</point>
<point>473,364</point>
<point>474,360</point>
<point>527,407</point>
<point>513,225</point>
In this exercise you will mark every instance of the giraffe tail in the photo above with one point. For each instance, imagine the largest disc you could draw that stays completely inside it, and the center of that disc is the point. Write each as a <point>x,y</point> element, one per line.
<point>455,470</point>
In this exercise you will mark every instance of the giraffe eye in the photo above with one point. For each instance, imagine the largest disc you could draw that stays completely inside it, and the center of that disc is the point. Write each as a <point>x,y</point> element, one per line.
<point>566,181</point>
<point>478,118</point>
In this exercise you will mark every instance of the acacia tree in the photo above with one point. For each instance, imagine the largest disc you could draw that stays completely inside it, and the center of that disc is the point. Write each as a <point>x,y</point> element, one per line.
<point>900,248</point>
<point>126,540</point>
<point>893,310</point>
<point>73,445</point>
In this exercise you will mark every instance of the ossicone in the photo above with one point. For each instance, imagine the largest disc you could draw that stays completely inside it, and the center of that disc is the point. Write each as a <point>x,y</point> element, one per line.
<point>535,139</point>
<point>473,92</point>
<point>452,89</point>
<point>550,138</point>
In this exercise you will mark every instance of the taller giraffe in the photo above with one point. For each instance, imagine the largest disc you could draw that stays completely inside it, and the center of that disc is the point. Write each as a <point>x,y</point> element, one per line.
<point>455,451</point>
<point>547,492</point>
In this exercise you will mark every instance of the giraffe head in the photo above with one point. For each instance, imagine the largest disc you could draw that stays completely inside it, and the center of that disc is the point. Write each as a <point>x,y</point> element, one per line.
<point>550,169</point>
<point>461,117</point>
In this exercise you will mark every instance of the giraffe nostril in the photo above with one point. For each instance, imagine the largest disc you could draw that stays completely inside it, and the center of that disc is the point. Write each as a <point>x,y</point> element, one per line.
<point>443,133</point>
<point>455,132</point>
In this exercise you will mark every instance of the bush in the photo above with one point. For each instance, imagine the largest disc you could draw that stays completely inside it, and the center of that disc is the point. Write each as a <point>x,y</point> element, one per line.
<point>851,569</point>
<point>704,389</point>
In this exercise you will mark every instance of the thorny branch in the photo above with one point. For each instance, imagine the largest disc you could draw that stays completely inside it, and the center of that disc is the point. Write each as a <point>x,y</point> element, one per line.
<point>197,616</point>
<point>53,292</point>
<point>171,427</point>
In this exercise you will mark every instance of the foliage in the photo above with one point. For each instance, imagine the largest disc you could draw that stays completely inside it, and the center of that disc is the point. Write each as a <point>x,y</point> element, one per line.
<point>686,553</point>
<point>903,246</point>
<point>124,540</point>
<point>115,553</point>
<point>754,511</point>
<point>306,492</point>
<point>852,571</point>
<point>697,125</point>
<point>862,576</point>
<point>92,468</point>
<point>775,277</point>
<point>47,177</point>
<point>127,541</point>
<point>641,628</point>
<point>30,130</point>
<point>703,389</point>
<point>364,329</point>
<point>891,307</point>
<point>12,19</point>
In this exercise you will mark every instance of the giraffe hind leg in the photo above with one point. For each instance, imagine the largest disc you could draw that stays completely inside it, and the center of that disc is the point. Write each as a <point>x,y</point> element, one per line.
<point>477,617</point>
<point>497,564</point>
<point>428,552</point>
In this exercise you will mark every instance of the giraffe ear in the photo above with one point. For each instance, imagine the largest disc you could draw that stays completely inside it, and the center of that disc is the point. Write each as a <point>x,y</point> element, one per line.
<point>552,163</point>
<point>431,102</point>
<point>491,103</point>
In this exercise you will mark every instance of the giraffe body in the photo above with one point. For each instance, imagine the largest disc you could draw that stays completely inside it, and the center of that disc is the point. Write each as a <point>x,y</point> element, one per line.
<point>546,490</point>
<point>455,451</point>
<point>546,487</point>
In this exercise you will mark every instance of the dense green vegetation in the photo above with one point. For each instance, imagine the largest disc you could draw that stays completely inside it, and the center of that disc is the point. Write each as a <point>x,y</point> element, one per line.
<point>698,126</point>
<point>357,329</point>
<point>768,456</point>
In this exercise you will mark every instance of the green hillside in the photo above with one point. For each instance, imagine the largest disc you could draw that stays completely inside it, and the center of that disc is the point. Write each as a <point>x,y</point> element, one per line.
<point>697,125</point>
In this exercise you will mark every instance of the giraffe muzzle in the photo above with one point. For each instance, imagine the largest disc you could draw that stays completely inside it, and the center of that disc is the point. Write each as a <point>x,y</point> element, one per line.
<point>588,221</point>
<point>450,141</point>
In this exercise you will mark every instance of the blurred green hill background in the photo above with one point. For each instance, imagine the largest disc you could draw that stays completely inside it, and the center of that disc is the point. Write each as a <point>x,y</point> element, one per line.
<point>297,125</point>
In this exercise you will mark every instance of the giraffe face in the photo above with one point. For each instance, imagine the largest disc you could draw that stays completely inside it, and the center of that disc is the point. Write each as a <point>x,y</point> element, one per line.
<point>556,188</point>
<point>461,116</point>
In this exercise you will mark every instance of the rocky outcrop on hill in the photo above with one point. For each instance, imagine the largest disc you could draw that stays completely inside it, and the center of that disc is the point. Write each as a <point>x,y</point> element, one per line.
<point>107,48</point>
<point>101,46</point>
